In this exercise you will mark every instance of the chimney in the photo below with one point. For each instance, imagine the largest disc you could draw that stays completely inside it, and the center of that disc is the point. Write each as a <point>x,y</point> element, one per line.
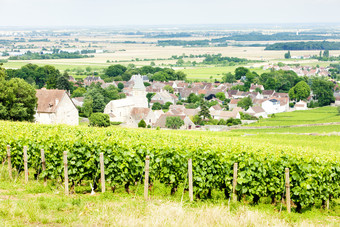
<point>56,101</point>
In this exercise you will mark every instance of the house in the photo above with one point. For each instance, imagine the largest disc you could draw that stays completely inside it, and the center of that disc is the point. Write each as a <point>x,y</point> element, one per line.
<point>257,111</point>
<point>301,105</point>
<point>119,110</point>
<point>164,97</point>
<point>140,113</point>
<point>161,122</point>
<point>254,86</point>
<point>78,101</point>
<point>92,79</point>
<point>268,93</point>
<point>337,100</point>
<point>55,107</point>
<point>221,114</point>
<point>275,105</point>
<point>215,107</point>
<point>233,103</point>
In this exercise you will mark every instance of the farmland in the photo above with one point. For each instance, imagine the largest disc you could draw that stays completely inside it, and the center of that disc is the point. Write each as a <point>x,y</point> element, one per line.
<point>313,116</point>
<point>315,157</point>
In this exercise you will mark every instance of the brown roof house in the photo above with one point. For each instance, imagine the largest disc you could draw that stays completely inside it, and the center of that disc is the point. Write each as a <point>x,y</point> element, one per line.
<point>55,107</point>
<point>141,113</point>
<point>188,124</point>
<point>257,111</point>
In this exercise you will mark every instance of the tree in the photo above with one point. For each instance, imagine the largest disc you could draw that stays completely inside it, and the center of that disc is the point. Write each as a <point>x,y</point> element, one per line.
<point>323,91</point>
<point>300,91</point>
<point>87,107</point>
<point>120,86</point>
<point>169,89</point>
<point>115,70</point>
<point>156,106</point>
<point>98,102</point>
<point>17,99</point>
<point>141,124</point>
<point>62,82</point>
<point>52,74</point>
<point>220,96</point>
<point>204,112</point>
<point>287,55</point>
<point>174,122</point>
<point>180,62</point>
<point>326,54</point>
<point>193,98</point>
<point>229,78</point>
<point>99,120</point>
<point>166,105</point>
<point>245,103</point>
<point>79,92</point>
<point>240,72</point>
<point>149,96</point>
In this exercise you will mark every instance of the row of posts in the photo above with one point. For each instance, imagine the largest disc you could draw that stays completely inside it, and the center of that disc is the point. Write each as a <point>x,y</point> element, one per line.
<point>146,179</point>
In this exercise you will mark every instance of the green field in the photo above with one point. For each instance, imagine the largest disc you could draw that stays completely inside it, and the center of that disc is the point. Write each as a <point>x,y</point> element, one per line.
<point>320,129</point>
<point>60,65</point>
<point>202,73</point>
<point>312,116</point>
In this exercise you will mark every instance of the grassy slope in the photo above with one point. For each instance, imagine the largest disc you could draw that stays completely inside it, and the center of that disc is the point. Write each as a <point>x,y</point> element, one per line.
<point>33,204</point>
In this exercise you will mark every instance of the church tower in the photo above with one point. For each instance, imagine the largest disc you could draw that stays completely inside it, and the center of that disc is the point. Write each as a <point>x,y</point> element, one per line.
<point>139,92</point>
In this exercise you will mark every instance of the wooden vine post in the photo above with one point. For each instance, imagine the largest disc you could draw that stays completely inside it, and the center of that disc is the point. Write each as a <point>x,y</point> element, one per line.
<point>25,164</point>
<point>146,179</point>
<point>235,182</point>
<point>43,163</point>
<point>65,173</point>
<point>9,162</point>
<point>102,172</point>
<point>191,189</point>
<point>287,189</point>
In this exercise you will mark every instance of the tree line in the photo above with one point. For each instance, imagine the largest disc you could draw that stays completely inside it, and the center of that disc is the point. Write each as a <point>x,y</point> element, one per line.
<point>312,45</point>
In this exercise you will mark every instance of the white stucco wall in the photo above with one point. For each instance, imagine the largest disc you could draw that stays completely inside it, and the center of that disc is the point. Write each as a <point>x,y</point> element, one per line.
<point>66,112</point>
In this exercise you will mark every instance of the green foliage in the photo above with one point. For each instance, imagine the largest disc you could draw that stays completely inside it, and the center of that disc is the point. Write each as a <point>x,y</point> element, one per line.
<point>169,89</point>
<point>220,96</point>
<point>17,99</point>
<point>79,92</point>
<point>156,106</point>
<point>59,55</point>
<point>204,112</point>
<point>300,91</point>
<point>115,70</point>
<point>314,174</point>
<point>240,72</point>
<point>287,55</point>
<point>312,45</point>
<point>245,103</point>
<point>149,96</point>
<point>141,124</point>
<point>246,116</point>
<point>99,120</point>
<point>174,122</point>
<point>323,91</point>
<point>120,86</point>
<point>229,78</point>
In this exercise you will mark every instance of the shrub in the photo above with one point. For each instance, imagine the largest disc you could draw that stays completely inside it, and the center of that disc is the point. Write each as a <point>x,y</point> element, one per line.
<point>142,124</point>
<point>99,120</point>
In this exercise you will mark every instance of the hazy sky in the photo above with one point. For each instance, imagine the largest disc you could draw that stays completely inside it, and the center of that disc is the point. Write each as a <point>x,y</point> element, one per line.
<point>156,12</point>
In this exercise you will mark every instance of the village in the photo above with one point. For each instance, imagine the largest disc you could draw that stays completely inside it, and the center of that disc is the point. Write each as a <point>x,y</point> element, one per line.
<point>56,106</point>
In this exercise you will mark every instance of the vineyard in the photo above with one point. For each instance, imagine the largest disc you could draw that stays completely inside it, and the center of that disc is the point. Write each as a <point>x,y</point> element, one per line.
<point>315,174</point>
